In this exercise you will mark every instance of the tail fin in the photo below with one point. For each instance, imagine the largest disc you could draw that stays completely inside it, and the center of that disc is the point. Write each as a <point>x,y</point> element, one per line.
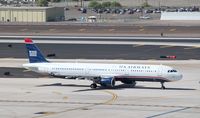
<point>34,53</point>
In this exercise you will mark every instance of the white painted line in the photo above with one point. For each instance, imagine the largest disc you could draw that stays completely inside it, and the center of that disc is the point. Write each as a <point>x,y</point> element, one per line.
<point>105,42</point>
<point>100,37</point>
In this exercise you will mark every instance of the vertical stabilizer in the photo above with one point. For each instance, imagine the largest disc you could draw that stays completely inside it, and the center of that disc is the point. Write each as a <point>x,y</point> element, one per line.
<point>34,53</point>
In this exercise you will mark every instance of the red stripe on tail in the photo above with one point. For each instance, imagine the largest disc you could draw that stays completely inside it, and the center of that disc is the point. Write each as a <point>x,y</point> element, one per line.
<point>28,40</point>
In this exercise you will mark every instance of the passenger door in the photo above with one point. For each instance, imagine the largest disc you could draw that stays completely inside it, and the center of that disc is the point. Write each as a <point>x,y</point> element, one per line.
<point>159,71</point>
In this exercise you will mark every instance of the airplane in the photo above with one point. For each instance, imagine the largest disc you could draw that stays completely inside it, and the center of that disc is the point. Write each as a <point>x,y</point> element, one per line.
<point>101,74</point>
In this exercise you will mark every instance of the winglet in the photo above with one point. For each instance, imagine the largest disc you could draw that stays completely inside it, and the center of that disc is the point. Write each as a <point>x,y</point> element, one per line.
<point>28,40</point>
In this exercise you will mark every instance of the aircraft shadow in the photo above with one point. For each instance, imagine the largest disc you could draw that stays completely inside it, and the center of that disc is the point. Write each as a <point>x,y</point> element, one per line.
<point>137,87</point>
<point>117,87</point>
<point>60,84</point>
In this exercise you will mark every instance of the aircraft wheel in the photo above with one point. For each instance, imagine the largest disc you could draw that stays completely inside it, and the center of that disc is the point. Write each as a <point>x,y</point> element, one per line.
<point>134,84</point>
<point>93,86</point>
<point>52,74</point>
<point>162,85</point>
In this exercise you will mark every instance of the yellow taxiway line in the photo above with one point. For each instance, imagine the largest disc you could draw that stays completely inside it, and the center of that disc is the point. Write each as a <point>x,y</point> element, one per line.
<point>81,30</point>
<point>107,102</point>
<point>141,29</point>
<point>113,99</point>
<point>110,30</point>
<point>194,47</point>
<point>166,46</point>
<point>172,30</point>
<point>137,45</point>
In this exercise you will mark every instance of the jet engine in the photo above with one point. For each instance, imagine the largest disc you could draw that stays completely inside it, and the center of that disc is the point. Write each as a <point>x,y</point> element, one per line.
<point>107,81</point>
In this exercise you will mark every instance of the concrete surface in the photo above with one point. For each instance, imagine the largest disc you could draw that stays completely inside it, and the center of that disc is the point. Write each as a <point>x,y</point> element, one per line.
<point>139,29</point>
<point>58,98</point>
<point>192,16</point>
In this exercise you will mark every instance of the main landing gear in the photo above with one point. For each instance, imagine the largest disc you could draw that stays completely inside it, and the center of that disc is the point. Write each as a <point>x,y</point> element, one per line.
<point>162,85</point>
<point>93,86</point>
<point>133,84</point>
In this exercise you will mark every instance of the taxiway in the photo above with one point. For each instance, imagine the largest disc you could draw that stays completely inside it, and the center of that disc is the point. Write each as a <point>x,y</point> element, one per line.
<point>43,97</point>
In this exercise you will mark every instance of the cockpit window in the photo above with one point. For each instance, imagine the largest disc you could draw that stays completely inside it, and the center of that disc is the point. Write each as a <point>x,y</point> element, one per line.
<point>171,71</point>
<point>175,70</point>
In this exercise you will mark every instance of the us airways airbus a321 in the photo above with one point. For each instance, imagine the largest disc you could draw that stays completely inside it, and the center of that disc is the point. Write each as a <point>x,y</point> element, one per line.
<point>104,75</point>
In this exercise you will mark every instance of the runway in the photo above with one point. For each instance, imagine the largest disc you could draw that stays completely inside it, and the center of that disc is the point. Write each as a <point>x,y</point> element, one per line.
<point>101,47</point>
<point>57,98</point>
<point>96,51</point>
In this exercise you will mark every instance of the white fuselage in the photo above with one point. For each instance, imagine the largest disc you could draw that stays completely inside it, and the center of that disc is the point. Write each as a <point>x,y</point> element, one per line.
<point>137,72</point>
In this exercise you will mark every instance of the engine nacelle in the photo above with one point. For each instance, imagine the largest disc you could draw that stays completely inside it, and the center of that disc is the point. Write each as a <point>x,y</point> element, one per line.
<point>107,81</point>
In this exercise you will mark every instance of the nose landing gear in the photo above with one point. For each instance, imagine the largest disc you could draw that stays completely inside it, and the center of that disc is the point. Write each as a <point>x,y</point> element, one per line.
<point>162,85</point>
<point>93,85</point>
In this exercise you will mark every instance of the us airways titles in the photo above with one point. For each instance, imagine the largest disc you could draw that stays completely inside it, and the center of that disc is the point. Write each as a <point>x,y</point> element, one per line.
<point>134,67</point>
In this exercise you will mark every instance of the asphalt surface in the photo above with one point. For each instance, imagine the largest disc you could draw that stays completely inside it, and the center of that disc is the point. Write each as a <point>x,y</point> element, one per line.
<point>95,51</point>
<point>19,73</point>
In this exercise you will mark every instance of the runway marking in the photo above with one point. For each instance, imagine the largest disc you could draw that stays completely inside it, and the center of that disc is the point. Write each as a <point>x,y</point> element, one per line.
<point>101,42</point>
<point>137,45</point>
<point>110,30</point>
<point>141,26</point>
<point>121,104</point>
<point>67,110</point>
<point>52,29</point>
<point>81,30</point>
<point>23,29</point>
<point>167,46</point>
<point>194,47</point>
<point>108,102</point>
<point>172,30</point>
<point>161,114</point>
<point>141,29</point>
<point>58,93</point>
<point>65,98</point>
<point>113,99</point>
